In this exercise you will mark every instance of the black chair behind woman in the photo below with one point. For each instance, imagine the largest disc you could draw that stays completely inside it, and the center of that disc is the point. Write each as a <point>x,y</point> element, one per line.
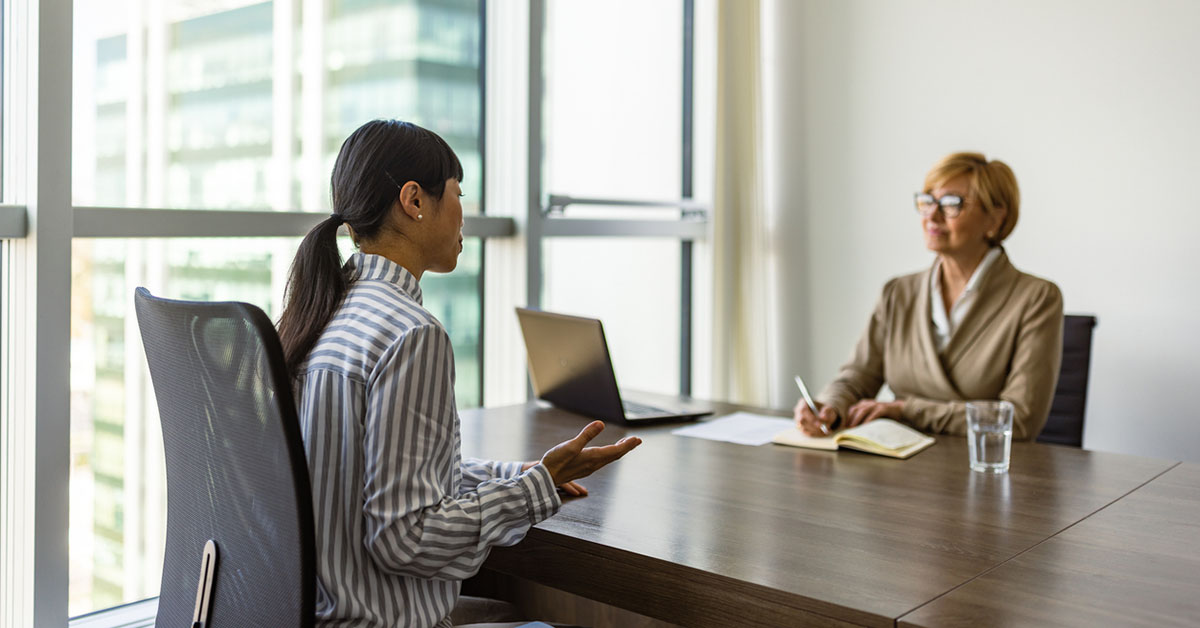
<point>1065,424</point>
<point>236,470</point>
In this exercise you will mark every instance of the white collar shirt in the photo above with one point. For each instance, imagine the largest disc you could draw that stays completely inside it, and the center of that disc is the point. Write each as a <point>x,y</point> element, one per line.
<point>944,323</point>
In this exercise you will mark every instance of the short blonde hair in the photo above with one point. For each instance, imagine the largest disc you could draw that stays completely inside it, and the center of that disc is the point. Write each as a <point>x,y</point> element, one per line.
<point>992,182</point>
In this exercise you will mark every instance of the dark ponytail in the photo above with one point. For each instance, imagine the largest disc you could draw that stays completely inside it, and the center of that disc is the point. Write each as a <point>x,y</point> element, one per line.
<point>374,162</point>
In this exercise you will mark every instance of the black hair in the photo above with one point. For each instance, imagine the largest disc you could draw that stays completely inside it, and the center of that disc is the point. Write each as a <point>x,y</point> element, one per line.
<point>373,163</point>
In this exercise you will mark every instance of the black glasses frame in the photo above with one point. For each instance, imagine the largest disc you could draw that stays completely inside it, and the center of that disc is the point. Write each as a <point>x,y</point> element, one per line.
<point>951,204</point>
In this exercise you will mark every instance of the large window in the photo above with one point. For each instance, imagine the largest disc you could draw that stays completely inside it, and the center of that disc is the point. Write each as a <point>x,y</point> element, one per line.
<point>230,105</point>
<point>619,156</point>
<point>202,135</point>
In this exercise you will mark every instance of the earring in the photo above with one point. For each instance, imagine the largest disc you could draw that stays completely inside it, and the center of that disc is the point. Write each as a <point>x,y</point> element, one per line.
<point>419,216</point>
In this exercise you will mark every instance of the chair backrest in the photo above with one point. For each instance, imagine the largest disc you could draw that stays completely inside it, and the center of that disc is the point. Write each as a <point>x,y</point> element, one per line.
<point>1065,424</point>
<point>236,470</point>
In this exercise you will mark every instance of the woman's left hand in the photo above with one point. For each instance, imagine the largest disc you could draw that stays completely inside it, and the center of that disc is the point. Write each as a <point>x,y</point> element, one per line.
<point>574,489</point>
<point>869,410</point>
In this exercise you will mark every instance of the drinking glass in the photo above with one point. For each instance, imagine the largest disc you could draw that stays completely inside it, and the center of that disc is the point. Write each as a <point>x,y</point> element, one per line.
<point>989,435</point>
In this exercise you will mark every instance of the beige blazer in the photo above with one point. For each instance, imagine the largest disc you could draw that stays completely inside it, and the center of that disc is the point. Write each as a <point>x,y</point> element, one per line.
<point>1008,346</point>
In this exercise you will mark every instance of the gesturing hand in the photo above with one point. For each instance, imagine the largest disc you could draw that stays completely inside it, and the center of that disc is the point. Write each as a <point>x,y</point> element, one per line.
<point>571,460</point>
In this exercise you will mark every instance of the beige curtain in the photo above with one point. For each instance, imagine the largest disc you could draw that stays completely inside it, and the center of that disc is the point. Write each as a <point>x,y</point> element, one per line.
<point>740,321</point>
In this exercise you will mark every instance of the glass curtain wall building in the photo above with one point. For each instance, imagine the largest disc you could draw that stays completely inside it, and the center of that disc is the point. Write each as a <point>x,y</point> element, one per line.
<point>229,105</point>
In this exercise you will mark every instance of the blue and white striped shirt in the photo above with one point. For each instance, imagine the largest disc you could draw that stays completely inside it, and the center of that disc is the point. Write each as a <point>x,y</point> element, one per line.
<point>401,518</point>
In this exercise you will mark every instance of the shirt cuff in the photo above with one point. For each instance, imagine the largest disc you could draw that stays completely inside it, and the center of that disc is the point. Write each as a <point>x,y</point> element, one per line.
<point>912,409</point>
<point>539,489</point>
<point>508,470</point>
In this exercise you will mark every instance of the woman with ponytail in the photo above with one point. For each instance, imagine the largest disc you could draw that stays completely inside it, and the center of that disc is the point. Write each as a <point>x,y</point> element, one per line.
<point>401,518</point>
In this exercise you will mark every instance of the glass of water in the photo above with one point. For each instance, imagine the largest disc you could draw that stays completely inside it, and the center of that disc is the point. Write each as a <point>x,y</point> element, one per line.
<point>989,435</point>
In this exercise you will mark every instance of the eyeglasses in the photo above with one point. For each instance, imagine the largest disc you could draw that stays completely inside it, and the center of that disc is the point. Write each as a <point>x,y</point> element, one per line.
<point>951,204</point>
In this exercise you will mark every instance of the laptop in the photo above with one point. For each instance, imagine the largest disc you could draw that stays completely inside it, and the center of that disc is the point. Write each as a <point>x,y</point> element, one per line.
<point>570,367</point>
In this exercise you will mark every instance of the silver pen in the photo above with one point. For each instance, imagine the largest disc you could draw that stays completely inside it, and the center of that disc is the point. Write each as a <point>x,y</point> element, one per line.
<point>811,404</point>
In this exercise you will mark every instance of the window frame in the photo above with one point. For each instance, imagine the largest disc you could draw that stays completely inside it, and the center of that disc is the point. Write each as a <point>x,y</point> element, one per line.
<point>34,424</point>
<point>13,223</point>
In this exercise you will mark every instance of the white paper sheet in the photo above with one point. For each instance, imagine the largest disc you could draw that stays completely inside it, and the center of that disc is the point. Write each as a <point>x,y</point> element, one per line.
<point>742,428</point>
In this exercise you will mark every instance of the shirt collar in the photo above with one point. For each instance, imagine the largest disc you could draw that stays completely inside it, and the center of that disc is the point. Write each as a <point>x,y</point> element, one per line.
<point>370,267</point>
<point>989,258</point>
<point>980,270</point>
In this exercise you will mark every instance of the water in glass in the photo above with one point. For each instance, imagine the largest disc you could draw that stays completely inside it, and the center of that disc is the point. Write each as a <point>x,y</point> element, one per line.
<point>989,435</point>
<point>989,447</point>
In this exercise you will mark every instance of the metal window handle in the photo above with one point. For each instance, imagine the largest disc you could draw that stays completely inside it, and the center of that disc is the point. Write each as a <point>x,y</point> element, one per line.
<point>208,565</point>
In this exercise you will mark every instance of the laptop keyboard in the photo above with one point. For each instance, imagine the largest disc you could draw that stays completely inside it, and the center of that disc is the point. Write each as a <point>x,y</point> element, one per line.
<point>633,408</point>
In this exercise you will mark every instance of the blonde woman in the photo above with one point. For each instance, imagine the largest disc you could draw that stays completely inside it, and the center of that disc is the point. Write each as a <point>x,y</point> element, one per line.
<point>971,326</point>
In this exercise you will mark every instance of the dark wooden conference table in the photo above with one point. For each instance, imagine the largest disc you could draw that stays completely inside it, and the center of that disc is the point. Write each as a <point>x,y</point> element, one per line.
<point>704,533</point>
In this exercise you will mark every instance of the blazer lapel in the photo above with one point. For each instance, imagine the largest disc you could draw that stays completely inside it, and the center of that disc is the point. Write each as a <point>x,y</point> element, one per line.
<point>994,292</point>
<point>927,358</point>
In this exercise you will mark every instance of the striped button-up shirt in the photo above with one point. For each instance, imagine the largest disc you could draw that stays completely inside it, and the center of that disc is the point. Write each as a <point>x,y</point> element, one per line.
<point>401,518</point>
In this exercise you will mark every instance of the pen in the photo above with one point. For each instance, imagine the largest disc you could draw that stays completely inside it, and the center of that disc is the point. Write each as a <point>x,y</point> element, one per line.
<point>811,405</point>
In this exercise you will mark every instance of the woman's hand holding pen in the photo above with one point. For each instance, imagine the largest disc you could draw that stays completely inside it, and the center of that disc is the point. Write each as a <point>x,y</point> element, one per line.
<point>810,422</point>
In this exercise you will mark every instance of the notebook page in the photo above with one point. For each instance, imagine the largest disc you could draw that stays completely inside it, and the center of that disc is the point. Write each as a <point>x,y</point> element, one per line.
<point>886,433</point>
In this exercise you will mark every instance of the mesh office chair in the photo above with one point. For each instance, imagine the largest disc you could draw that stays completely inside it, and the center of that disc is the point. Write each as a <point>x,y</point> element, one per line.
<point>240,544</point>
<point>1065,424</point>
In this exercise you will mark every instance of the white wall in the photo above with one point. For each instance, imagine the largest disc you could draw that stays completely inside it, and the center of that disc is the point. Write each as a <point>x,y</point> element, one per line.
<point>1094,104</point>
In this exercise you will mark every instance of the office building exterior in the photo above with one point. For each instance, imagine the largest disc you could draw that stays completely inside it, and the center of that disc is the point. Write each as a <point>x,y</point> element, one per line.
<point>235,105</point>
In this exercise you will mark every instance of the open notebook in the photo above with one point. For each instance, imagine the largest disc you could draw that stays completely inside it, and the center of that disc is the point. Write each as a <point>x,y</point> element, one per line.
<point>881,436</point>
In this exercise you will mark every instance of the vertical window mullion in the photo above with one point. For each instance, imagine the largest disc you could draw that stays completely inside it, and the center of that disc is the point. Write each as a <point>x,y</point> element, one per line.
<point>536,100</point>
<point>685,265</point>
<point>36,442</point>
<point>483,100</point>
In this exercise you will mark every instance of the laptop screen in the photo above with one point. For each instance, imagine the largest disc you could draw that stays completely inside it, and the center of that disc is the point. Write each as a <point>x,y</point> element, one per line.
<point>569,363</point>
